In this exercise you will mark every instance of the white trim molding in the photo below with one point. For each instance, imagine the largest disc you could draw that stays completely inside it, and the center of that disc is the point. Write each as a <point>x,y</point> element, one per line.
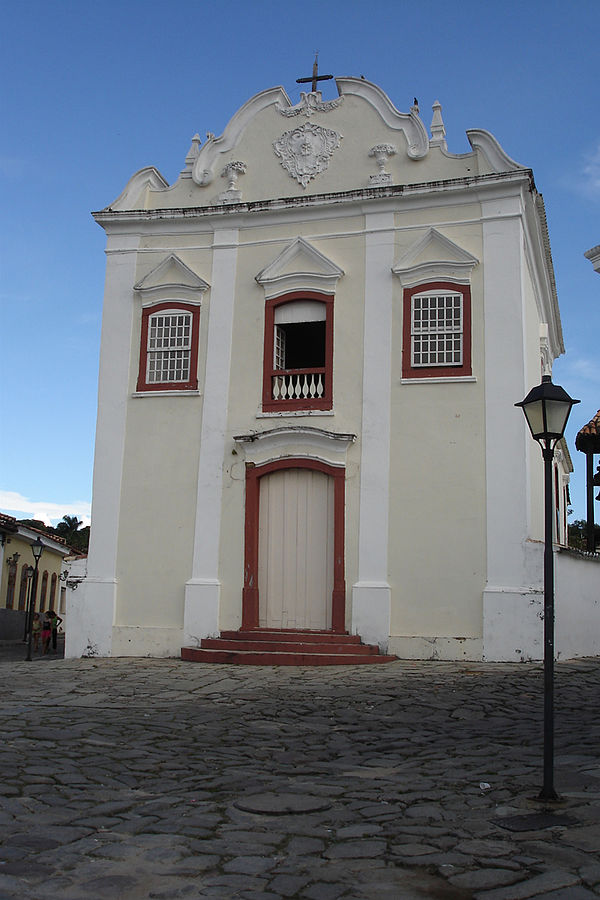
<point>409,124</point>
<point>205,162</point>
<point>202,591</point>
<point>171,279</point>
<point>499,161</point>
<point>299,267</point>
<point>434,257</point>
<point>135,192</point>
<point>301,441</point>
<point>371,594</point>
<point>99,589</point>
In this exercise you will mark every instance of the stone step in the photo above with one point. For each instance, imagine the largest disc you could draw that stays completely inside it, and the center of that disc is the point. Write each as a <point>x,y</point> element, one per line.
<point>274,658</point>
<point>264,634</point>
<point>284,646</point>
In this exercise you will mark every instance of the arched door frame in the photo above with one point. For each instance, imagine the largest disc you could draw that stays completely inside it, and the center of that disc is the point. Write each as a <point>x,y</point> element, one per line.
<point>250,600</point>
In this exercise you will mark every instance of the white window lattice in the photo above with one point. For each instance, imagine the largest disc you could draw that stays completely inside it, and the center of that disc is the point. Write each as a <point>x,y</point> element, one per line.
<point>437,330</point>
<point>169,347</point>
<point>279,348</point>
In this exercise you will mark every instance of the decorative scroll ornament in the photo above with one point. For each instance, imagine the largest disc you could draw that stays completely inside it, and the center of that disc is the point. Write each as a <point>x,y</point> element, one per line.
<point>309,104</point>
<point>306,151</point>
<point>381,152</point>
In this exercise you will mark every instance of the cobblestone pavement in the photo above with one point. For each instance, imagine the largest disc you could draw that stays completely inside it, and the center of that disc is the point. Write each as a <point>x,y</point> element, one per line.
<point>124,779</point>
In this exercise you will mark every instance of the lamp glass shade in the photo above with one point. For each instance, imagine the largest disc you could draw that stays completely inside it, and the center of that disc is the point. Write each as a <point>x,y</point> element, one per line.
<point>557,413</point>
<point>37,548</point>
<point>547,408</point>
<point>534,413</point>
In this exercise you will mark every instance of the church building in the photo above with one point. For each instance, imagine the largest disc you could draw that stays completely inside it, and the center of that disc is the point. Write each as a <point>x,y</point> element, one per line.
<point>312,344</point>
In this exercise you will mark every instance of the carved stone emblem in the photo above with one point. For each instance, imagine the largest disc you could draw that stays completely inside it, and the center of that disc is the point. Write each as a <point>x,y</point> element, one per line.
<point>306,151</point>
<point>309,104</point>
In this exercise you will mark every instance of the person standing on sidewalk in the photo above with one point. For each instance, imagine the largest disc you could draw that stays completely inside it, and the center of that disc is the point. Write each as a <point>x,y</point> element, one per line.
<point>46,633</point>
<point>55,621</point>
<point>36,630</point>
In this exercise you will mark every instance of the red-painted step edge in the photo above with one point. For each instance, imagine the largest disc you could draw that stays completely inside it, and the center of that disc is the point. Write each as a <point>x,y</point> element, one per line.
<point>264,634</point>
<point>288,646</point>
<point>262,647</point>
<point>250,658</point>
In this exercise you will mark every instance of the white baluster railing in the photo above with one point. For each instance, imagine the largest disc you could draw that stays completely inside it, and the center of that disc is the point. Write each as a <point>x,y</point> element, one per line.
<point>298,385</point>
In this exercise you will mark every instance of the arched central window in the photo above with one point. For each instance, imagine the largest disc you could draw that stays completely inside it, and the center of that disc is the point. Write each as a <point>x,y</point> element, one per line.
<point>298,360</point>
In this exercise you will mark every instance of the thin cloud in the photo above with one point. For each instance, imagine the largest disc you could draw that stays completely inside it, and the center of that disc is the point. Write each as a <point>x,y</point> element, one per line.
<point>584,177</point>
<point>21,507</point>
<point>585,368</point>
<point>591,170</point>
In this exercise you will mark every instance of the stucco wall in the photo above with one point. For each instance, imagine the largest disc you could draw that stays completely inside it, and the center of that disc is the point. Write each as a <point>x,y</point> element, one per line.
<point>437,481</point>
<point>439,508</point>
<point>50,563</point>
<point>577,579</point>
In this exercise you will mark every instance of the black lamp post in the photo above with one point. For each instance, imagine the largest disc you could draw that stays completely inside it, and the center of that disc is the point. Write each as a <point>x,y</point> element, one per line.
<point>547,408</point>
<point>37,548</point>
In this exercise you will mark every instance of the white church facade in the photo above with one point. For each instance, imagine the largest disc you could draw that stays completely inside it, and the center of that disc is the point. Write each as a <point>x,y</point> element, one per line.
<point>312,344</point>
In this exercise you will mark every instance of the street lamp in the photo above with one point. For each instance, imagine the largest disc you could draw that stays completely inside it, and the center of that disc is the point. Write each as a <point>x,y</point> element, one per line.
<point>547,408</point>
<point>37,548</point>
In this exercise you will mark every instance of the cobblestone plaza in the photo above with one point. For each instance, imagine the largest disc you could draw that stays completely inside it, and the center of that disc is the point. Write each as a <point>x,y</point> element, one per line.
<point>145,778</point>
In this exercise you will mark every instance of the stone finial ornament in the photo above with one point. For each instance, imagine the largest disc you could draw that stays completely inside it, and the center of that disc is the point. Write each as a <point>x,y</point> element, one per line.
<point>438,131</point>
<point>232,172</point>
<point>191,157</point>
<point>381,153</point>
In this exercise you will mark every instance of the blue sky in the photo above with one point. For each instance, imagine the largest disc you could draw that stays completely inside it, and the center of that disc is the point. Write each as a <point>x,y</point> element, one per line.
<point>94,91</point>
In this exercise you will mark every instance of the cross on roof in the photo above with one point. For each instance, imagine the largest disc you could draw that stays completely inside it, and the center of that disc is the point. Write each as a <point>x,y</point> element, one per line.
<point>315,75</point>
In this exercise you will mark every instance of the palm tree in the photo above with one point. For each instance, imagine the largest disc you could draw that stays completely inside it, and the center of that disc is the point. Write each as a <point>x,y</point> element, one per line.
<point>68,527</point>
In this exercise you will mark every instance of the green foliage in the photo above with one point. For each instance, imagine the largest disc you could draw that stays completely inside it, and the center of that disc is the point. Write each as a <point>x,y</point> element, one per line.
<point>80,539</point>
<point>38,525</point>
<point>578,534</point>
<point>68,528</point>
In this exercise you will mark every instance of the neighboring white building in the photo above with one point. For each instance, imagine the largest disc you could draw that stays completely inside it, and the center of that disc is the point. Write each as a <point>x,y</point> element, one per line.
<point>594,257</point>
<point>312,345</point>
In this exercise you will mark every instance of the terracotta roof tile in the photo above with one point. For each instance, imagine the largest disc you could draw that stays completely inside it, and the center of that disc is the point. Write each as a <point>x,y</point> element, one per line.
<point>588,438</point>
<point>9,523</point>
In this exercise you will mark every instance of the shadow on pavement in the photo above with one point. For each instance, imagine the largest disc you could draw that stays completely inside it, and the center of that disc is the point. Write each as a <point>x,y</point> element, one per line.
<point>11,651</point>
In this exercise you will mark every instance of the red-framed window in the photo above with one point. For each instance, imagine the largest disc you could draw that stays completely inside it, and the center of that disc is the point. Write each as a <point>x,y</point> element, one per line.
<point>12,580</point>
<point>23,588</point>
<point>53,582</point>
<point>436,339</point>
<point>169,347</point>
<point>298,352</point>
<point>43,591</point>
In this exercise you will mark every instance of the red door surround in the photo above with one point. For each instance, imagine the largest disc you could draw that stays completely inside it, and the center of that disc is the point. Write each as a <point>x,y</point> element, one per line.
<point>254,473</point>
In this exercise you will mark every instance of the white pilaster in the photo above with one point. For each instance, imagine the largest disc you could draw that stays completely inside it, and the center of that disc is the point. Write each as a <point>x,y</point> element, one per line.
<point>371,595</point>
<point>509,605</point>
<point>90,633</point>
<point>201,616</point>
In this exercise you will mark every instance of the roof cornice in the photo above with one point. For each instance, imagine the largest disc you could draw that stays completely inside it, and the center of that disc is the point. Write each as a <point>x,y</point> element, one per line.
<point>106,217</point>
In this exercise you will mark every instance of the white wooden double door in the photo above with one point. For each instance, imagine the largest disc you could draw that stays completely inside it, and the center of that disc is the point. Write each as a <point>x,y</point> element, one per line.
<point>296,549</point>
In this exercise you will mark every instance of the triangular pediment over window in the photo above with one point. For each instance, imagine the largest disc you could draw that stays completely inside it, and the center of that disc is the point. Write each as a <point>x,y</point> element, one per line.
<point>299,267</point>
<point>433,257</point>
<point>171,279</point>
